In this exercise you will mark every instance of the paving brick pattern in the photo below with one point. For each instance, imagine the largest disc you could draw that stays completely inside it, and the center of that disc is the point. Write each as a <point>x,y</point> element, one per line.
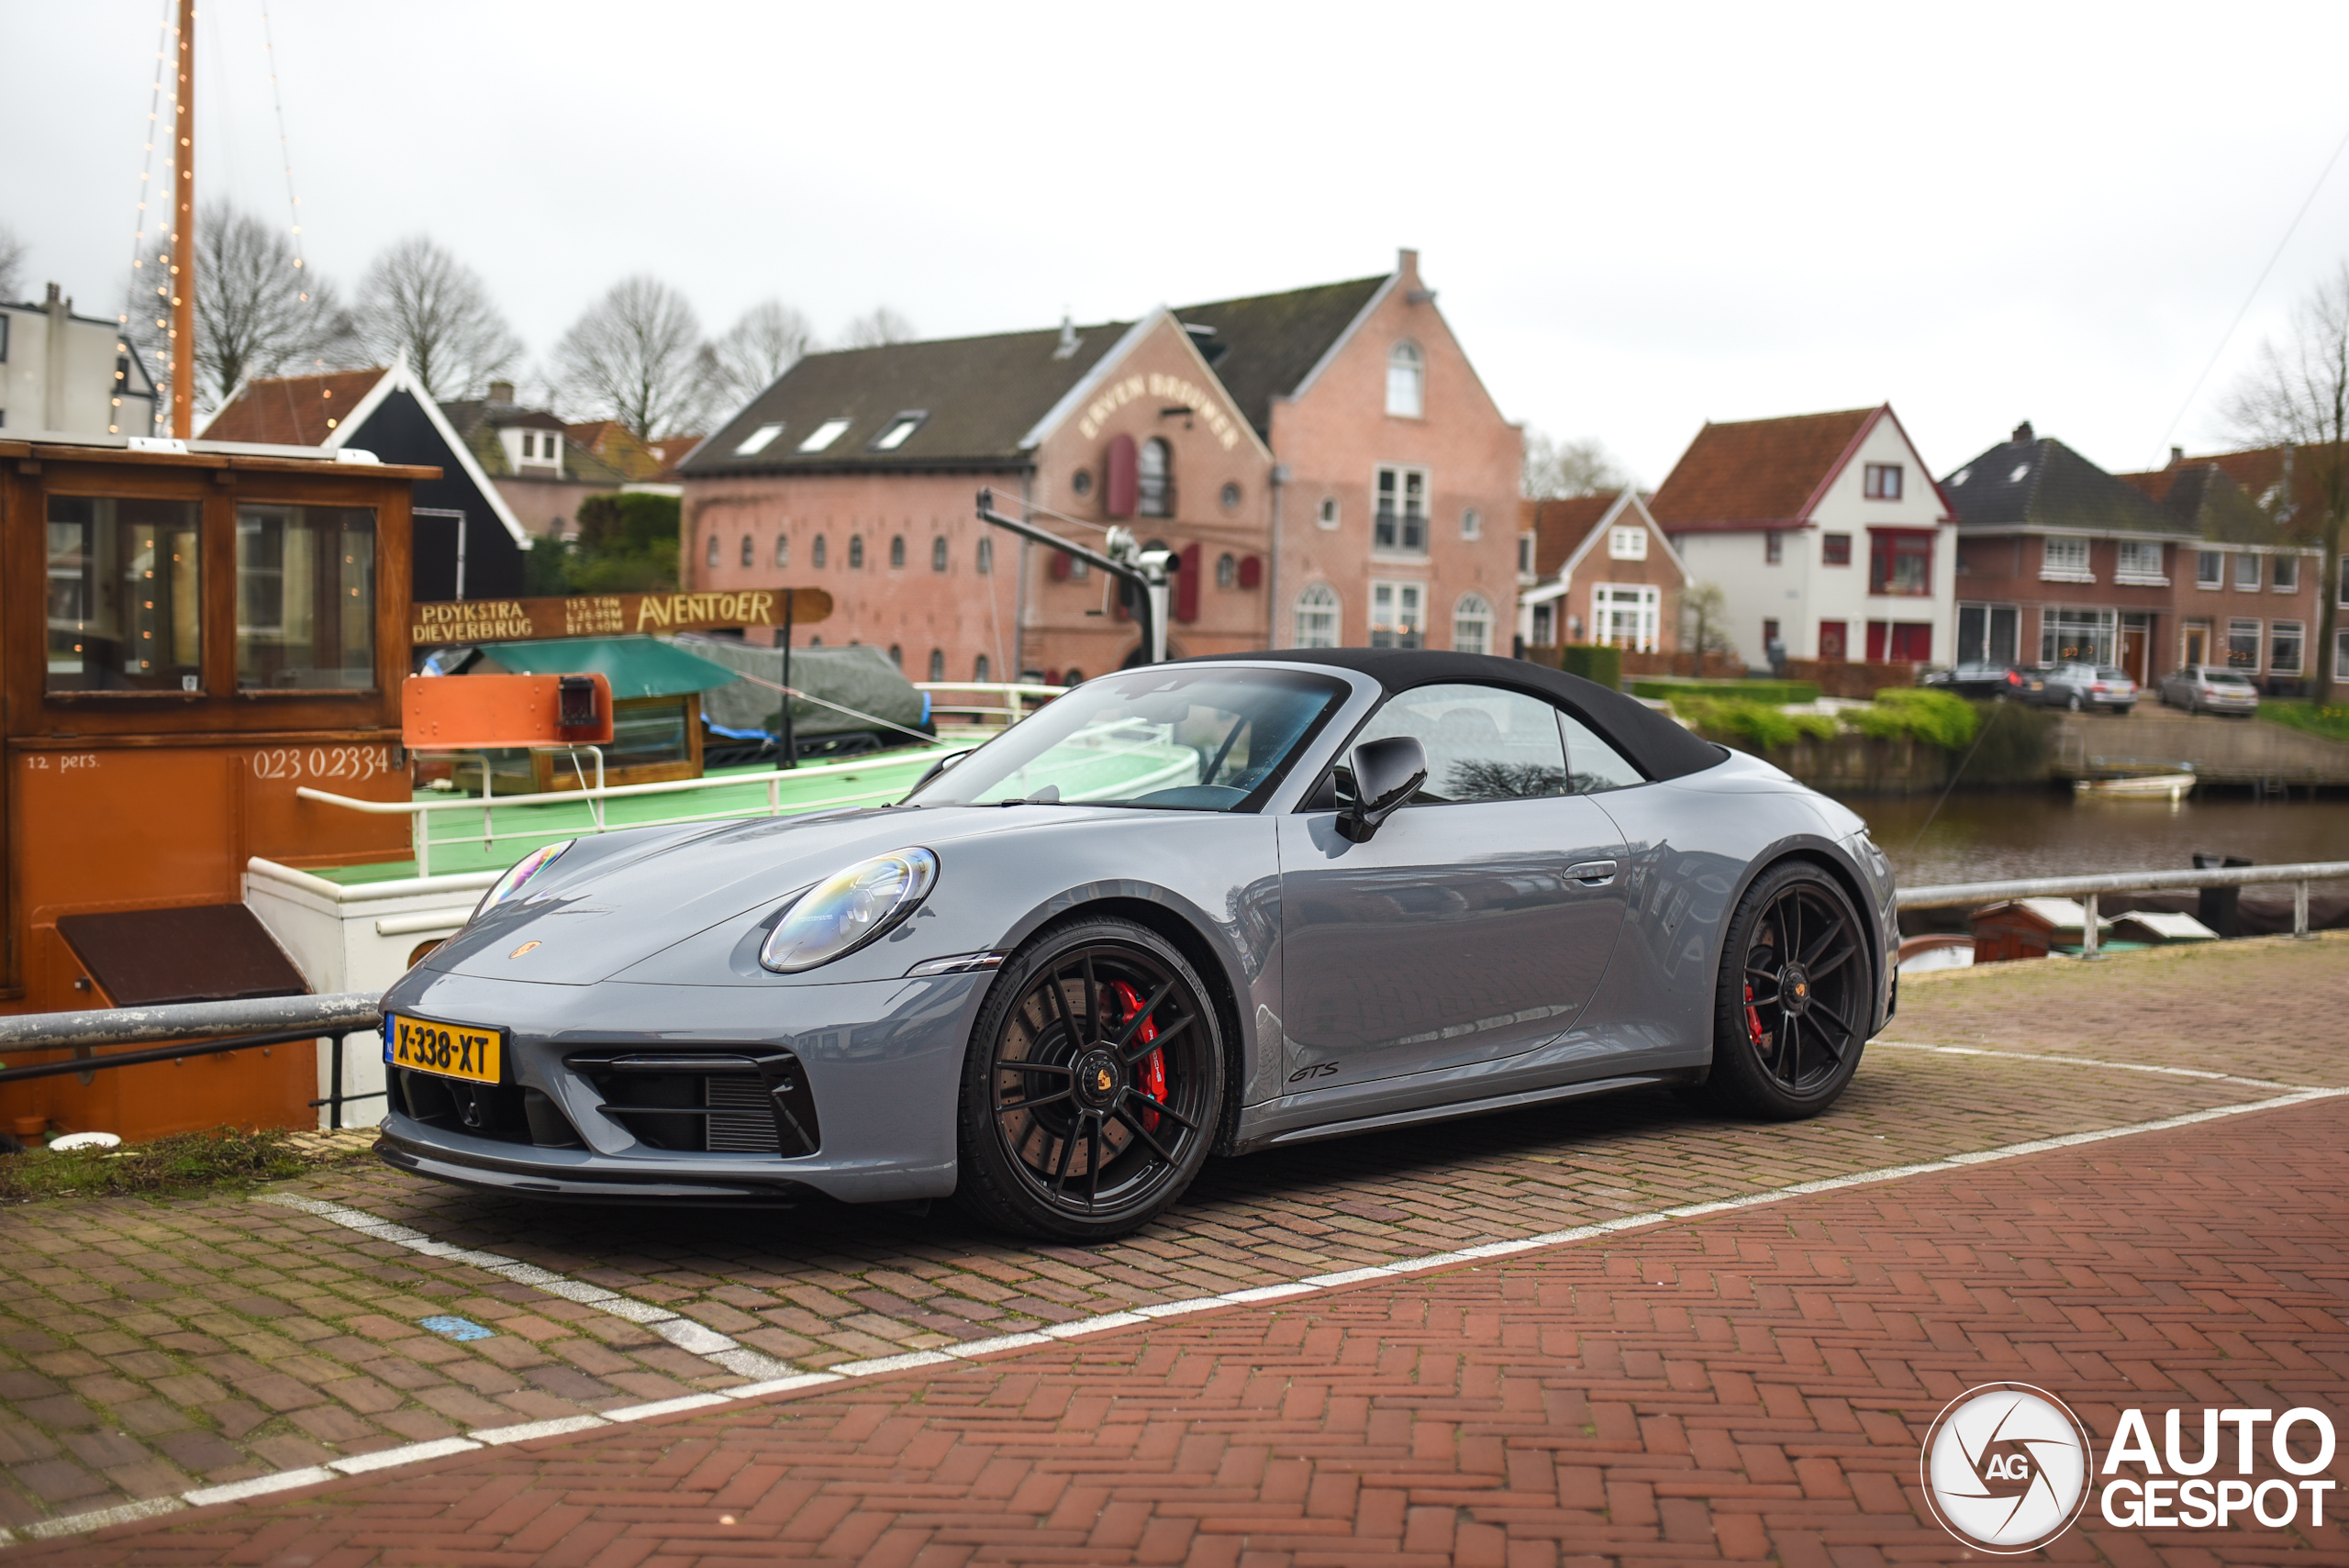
<point>149,1348</point>
<point>1747,1387</point>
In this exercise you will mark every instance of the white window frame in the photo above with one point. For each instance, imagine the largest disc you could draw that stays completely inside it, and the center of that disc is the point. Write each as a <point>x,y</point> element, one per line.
<point>1406,359</point>
<point>1471,610</point>
<point>2287,566</point>
<point>2209,568</point>
<point>1404,474</point>
<point>1322,601</point>
<point>1627,542</point>
<point>2242,559</point>
<point>1627,615</point>
<point>2055,565</point>
<point>2280,632</point>
<point>2258,635</point>
<point>1472,524</point>
<point>2140,576</point>
<point>1326,518</point>
<point>1402,620</point>
<point>2340,654</point>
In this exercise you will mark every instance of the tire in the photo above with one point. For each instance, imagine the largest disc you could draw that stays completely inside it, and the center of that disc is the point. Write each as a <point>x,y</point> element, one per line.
<point>1062,1132</point>
<point>1779,1058</point>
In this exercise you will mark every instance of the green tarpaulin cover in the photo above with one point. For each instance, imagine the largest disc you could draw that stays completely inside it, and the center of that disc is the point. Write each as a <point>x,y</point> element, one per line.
<point>636,666</point>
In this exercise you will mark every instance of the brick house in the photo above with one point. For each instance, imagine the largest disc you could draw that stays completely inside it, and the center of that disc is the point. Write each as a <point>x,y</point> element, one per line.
<point>857,471</point>
<point>2060,559</point>
<point>1603,571</point>
<point>538,466</point>
<point>1824,533</point>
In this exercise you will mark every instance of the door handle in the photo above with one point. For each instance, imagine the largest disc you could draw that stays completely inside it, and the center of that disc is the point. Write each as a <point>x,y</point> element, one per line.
<point>1592,873</point>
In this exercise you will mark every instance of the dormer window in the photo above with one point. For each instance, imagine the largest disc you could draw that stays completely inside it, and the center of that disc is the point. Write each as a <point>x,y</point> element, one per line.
<point>1406,382</point>
<point>894,437</point>
<point>823,435</point>
<point>758,441</point>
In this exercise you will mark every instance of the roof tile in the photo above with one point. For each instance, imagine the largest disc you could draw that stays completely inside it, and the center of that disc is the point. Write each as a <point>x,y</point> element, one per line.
<point>1755,472</point>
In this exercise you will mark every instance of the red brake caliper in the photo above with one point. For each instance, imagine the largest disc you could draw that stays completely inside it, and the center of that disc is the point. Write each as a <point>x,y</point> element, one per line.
<point>1154,1066</point>
<point>1753,1019</point>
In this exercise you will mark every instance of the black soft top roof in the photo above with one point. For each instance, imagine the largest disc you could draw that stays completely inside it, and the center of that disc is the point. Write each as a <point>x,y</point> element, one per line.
<point>1653,743</point>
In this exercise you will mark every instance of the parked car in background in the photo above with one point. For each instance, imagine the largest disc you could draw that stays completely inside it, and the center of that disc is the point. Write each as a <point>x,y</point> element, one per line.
<point>1984,680</point>
<point>2210,688</point>
<point>2079,686</point>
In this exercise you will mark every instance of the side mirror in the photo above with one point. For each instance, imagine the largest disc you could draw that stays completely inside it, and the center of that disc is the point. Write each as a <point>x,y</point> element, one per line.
<point>1387,773</point>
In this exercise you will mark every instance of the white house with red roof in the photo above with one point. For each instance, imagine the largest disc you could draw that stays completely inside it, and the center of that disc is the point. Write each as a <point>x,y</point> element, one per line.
<point>1824,532</point>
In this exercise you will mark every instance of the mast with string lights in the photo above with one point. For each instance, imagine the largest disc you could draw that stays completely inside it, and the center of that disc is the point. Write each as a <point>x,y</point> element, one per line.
<point>183,236</point>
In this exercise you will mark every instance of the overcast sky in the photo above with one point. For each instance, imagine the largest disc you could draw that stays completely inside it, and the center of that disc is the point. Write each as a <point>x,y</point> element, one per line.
<point>1638,218</point>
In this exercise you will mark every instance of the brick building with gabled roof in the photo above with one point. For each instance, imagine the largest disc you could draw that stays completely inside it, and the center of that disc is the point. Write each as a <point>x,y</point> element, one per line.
<point>1824,533</point>
<point>1603,572</point>
<point>1321,462</point>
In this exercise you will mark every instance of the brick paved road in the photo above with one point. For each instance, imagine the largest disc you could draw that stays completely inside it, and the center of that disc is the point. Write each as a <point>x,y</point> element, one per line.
<point>146,1349</point>
<point>1743,1387</point>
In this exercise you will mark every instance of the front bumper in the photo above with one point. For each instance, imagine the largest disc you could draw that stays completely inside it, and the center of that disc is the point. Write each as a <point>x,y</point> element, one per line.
<point>882,1063</point>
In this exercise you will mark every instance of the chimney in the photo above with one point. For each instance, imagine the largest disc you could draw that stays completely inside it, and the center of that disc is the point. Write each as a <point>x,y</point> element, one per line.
<point>52,293</point>
<point>2023,435</point>
<point>1070,343</point>
<point>2176,456</point>
<point>501,392</point>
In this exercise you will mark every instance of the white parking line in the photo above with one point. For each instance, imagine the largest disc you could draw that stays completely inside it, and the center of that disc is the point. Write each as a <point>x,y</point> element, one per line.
<point>417,1453</point>
<point>2086,1061</point>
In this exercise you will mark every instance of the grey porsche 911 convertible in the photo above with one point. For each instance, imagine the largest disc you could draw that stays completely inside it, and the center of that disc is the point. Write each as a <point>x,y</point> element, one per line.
<point>1208,906</point>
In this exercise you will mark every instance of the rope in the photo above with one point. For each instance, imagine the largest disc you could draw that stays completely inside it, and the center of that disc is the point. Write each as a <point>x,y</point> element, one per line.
<point>822,702</point>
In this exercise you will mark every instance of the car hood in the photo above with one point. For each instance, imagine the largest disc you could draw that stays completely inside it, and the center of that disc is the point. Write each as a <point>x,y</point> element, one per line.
<point>611,901</point>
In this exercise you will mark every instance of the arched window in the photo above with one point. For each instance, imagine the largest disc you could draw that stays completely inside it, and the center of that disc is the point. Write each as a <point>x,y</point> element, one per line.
<point>750,551</point>
<point>1227,569</point>
<point>1327,516</point>
<point>1472,625</point>
<point>1406,381</point>
<point>783,550</point>
<point>979,669</point>
<point>1154,480</point>
<point>856,552</point>
<point>987,556</point>
<point>897,656</point>
<point>1316,617</point>
<point>897,550</point>
<point>709,556</point>
<point>938,553</point>
<point>938,663</point>
<point>816,555</point>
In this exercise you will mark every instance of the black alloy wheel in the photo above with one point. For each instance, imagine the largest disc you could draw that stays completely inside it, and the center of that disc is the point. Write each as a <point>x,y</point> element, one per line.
<point>1795,997</point>
<point>1092,1087</point>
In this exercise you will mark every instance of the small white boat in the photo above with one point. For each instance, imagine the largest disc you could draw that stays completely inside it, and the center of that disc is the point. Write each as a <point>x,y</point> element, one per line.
<point>1921,955</point>
<point>2145,786</point>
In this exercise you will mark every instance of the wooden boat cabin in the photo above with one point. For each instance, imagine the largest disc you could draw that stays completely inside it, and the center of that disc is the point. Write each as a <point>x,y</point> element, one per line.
<point>192,631</point>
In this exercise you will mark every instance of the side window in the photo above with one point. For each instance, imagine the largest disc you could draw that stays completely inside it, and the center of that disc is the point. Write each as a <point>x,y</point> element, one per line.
<point>1592,765</point>
<point>1482,743</point>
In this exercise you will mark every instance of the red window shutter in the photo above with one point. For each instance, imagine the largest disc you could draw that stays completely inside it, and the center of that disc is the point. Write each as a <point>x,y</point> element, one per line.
<point>1060,566</point>
<point>1187,585</point>
<point>1252,570</point>
<point>1120,478</point>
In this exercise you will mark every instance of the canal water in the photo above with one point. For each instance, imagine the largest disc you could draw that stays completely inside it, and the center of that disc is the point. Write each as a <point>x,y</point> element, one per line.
<point>1994,835</point>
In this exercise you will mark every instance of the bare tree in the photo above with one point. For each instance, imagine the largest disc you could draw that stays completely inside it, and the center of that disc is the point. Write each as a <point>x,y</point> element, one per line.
<point>419,299</point>
<point>1704,616</point>
<point>258,312</point>
<point>2297,396</point>
<point>1554,469</point>
<point>877,327</point>
<point>12,264</point>
<point>768,339</point>
<point>635,356</point>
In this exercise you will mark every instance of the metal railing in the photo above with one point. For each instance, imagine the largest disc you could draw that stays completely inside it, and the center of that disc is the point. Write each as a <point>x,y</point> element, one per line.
<point>422,813</point>
<point>1012,700</point>
<point>2087,889</point>
<point>195,1028</point>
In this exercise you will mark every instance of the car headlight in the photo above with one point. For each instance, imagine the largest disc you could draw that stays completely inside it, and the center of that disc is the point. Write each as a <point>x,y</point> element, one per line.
<point>518,875</point>
<point>847,909</point>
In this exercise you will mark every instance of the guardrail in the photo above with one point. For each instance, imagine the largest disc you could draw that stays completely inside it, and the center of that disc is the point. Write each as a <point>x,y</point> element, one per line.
<point>195,1028</point>
<point>2087,889</point>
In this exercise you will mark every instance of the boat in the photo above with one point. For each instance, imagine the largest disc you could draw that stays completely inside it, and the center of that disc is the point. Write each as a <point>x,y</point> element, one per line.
<point>2139,786</point>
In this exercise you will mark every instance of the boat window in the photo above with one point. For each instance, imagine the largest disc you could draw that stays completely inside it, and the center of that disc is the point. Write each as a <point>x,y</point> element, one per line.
<point>123,594</point>
<point>1198,739</point>
<point>306,598</point>
<point>1482,743</point>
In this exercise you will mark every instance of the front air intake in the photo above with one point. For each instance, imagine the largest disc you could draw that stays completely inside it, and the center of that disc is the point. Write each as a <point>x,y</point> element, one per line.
<point>720,1103</point>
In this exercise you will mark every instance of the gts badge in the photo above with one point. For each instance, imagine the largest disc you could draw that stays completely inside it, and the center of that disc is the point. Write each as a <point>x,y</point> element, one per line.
<point>1317,1070</point>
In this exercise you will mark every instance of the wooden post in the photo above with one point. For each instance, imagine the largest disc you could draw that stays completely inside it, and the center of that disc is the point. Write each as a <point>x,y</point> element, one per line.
<point>183,237</point>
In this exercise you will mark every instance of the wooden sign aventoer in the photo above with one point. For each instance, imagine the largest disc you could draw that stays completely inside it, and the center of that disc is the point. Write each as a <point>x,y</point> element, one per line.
<point>611,615</point>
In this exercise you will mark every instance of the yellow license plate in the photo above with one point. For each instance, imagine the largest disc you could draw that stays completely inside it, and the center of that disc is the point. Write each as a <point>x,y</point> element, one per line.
<point>446,1049</point>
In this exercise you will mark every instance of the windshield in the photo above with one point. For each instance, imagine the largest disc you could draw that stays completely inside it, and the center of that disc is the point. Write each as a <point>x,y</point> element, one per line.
<point>1190,740</point>
<point>2108,673</point>
<point>2226,678</point>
